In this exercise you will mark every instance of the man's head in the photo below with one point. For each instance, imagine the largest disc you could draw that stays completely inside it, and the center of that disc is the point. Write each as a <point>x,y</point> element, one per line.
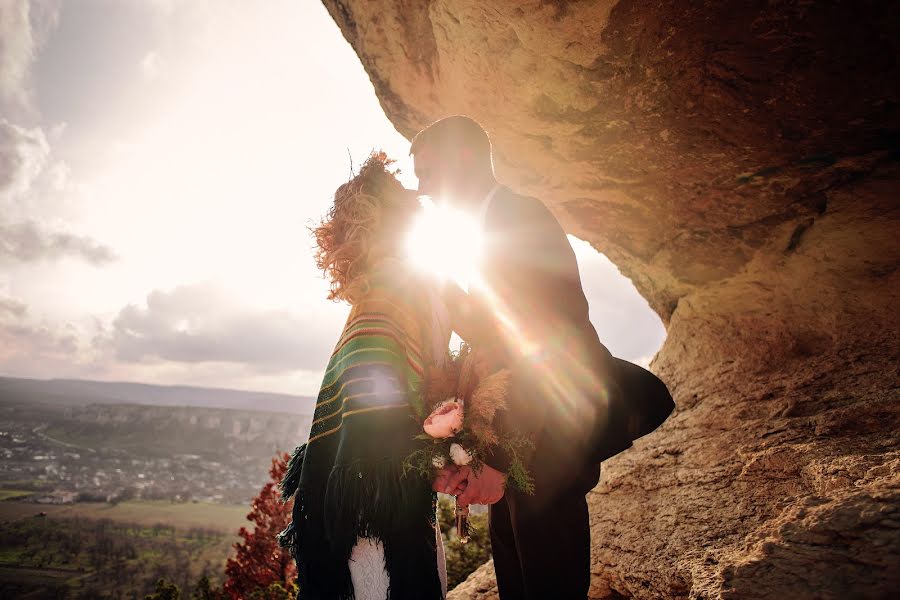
<point>452,160</point>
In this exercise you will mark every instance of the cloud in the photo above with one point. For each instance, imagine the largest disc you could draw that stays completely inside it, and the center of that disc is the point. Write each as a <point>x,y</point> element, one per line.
<point>40,340</point>
<point>10,307</point>
<point>29,348</point>
<point>23,155</point>
<point>16,52</point>
<point>26,242</point>
<point>24,27</point>
<point>43,348</point>
<point>200,323</point>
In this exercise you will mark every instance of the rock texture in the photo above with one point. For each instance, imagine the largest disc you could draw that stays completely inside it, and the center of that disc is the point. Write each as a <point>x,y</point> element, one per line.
<point>740,162</point>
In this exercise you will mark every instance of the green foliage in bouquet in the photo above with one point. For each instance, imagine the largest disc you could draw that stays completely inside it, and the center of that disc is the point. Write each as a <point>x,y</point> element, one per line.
<point>517,476</point>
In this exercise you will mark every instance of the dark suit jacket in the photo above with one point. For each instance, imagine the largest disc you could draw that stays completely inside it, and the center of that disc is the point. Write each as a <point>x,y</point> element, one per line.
<point>569,393</point>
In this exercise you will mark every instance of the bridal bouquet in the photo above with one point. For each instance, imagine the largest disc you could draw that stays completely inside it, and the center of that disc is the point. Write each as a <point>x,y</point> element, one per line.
<point>461,401</point>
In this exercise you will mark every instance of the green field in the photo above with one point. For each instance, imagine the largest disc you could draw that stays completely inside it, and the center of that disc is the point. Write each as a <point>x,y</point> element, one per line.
<point>223,518</point>
<point>12,494</point>
<point>92,550</point>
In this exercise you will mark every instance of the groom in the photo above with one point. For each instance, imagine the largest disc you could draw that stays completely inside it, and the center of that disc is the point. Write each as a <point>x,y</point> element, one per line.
<point>530,314</point>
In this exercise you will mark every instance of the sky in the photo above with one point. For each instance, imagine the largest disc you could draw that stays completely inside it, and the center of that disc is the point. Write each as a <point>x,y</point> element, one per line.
<point>160,165</point>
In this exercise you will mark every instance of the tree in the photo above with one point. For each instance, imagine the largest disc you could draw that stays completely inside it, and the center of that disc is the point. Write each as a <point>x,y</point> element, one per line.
<point>205,591</point>
<point>164,591</point>
<point>462,558</point>
<point>259,561</point>
<point>276,592</point>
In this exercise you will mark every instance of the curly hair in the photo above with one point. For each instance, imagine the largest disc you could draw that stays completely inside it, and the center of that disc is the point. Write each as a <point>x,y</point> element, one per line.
<point>350,238</point>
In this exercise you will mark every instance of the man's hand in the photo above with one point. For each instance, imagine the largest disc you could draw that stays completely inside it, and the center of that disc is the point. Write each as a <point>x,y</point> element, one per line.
<point>485,488</point>
<point>451,480</point>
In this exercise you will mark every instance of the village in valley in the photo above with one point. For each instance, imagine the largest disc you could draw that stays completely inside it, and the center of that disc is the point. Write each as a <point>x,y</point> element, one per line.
<point>110,452</point>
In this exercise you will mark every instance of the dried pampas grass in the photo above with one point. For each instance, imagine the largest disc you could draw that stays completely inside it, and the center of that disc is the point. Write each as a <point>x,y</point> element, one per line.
<point>487,398</point>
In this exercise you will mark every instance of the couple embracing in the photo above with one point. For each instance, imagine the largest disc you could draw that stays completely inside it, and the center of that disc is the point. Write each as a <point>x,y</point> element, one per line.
<point>364,523</point>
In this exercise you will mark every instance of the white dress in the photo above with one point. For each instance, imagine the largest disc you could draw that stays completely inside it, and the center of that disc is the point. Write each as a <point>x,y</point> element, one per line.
<point>370,579</point>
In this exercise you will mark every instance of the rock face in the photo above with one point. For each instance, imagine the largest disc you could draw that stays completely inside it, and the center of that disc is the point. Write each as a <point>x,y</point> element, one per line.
<point>740,162</point>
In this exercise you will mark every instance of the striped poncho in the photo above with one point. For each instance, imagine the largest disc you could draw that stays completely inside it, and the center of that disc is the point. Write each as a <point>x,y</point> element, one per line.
<point>348,478</point>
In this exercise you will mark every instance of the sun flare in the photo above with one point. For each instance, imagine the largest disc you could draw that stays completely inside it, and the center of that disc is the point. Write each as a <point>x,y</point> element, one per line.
<point>445,242</point>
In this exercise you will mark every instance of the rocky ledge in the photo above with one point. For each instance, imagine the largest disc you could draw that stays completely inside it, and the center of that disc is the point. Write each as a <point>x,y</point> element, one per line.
<point>739,162</point>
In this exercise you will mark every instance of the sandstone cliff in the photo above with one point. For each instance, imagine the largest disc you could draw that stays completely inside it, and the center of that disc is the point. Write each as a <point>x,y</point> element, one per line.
<point>739,162</point>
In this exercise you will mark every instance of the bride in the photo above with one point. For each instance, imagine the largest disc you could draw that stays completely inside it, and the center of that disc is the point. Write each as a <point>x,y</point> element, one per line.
<point>361,527</point>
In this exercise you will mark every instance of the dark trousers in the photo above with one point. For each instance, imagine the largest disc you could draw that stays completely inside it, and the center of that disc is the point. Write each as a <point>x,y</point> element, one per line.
<point>542,543</point>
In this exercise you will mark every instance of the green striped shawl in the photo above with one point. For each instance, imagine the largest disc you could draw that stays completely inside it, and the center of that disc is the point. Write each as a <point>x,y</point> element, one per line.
<point>348,477</point>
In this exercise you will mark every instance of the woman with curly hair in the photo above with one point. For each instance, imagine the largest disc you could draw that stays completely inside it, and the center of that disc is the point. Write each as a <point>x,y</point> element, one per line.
<point>362,528</point>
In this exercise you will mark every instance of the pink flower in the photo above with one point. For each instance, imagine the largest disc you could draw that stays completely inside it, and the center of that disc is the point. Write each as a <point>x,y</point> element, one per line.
<point>445,421</point>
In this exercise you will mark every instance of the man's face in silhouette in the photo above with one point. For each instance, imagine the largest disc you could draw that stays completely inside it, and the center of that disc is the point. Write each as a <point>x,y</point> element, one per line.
<point>440,176</point>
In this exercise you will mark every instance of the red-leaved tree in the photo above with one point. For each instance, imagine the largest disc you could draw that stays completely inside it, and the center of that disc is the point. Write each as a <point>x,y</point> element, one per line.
<point>261,568</point>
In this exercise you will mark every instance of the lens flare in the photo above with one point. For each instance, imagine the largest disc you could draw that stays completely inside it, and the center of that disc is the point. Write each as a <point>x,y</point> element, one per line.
<point>449,244</point>
<point>445,242</point>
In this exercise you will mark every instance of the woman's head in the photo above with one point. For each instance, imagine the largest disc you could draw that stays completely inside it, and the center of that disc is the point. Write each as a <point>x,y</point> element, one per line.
<point>364,226</point>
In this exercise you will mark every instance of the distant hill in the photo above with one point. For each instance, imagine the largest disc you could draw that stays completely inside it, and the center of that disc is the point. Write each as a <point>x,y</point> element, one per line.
<point>78,392</point>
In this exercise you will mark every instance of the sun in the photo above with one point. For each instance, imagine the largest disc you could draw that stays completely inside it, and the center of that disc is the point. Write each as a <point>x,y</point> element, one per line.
<point>445,242</point>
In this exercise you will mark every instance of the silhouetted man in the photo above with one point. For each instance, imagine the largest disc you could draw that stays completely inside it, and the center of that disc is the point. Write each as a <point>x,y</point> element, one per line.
<point>530,314</point>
